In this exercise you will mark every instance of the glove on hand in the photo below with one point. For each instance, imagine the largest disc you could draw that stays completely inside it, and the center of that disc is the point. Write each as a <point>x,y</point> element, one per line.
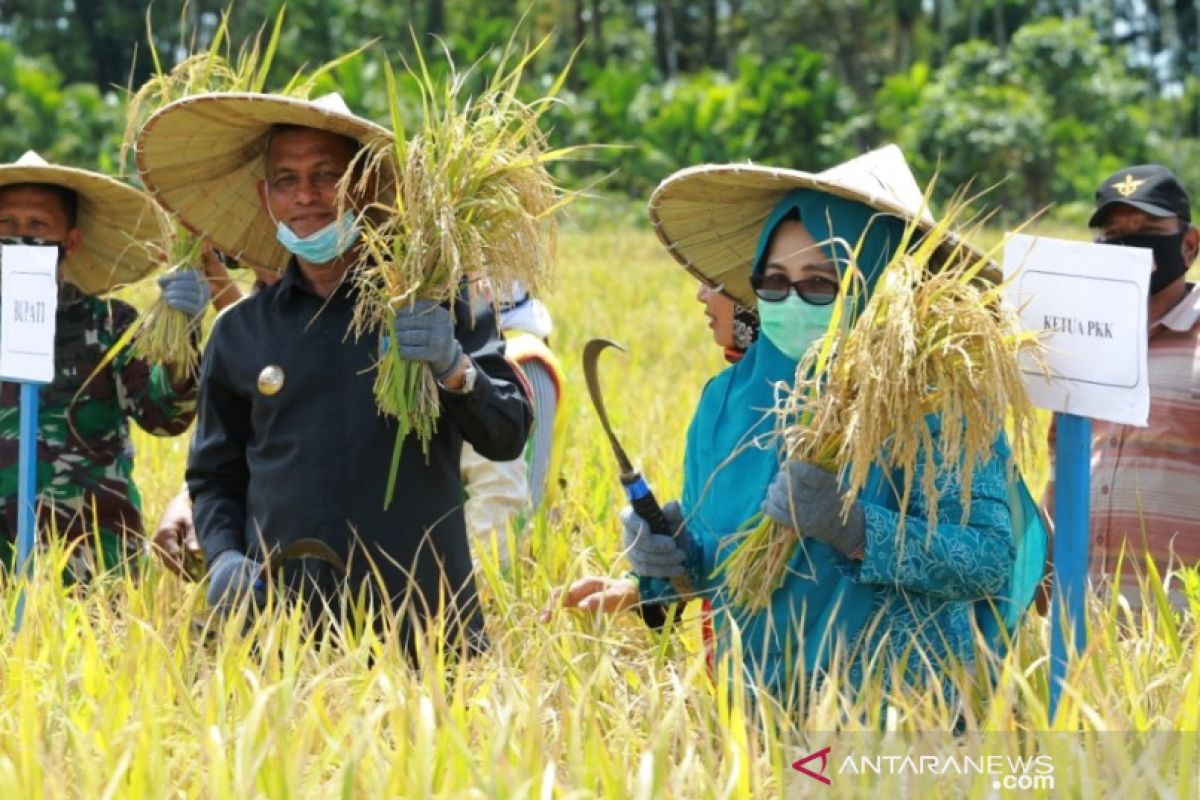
<point>424,332</point>
<point>808,500</point>
<point>186,290</point>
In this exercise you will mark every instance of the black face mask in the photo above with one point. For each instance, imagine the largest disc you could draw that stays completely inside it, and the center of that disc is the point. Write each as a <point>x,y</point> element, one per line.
<point>1168,255</point>
<point>34,241</point>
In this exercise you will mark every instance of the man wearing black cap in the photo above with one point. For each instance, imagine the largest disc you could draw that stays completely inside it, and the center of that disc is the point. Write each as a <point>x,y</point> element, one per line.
<point>1145,206</point>
<point>1146,481</point>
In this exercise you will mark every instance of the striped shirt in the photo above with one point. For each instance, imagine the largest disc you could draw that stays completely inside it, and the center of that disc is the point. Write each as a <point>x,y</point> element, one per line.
<point>1146,481</point>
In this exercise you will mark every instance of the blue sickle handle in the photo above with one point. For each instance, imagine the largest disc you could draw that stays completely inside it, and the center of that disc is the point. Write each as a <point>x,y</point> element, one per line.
<point>644,503</point>
<point>646,506</point>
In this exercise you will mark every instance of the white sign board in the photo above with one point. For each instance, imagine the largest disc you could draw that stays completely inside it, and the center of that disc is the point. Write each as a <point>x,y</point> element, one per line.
<point>28,304</point>
<point>1089,302</point>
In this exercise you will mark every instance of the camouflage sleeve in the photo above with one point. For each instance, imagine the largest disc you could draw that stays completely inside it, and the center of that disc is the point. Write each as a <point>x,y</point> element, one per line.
<point>145,390</point>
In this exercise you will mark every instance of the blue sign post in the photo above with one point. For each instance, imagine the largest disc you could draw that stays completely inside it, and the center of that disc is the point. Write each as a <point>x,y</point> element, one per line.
<point>1072,500</point>
<point>1087,304</point>
<point>29,288</point>
<point>26,491</point>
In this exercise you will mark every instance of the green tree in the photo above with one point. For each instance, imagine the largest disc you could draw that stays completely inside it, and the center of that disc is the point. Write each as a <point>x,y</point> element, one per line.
<point>72,125</point>
<point>1042,121</point>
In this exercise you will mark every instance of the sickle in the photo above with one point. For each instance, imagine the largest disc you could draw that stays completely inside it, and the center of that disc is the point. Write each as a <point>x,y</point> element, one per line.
<point>641,498</point>
<point>304,548</point>
<point>301,548</point>
<point>591,364</point>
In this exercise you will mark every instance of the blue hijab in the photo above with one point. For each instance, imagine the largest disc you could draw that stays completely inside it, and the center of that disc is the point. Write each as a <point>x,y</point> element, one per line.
<point>827,218</point>
<point>733,422</point>
<point>732,453</point>
<point>732,456</point>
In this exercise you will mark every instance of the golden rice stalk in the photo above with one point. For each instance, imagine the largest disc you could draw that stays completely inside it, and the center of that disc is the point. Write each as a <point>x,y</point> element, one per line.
<point>472,200</point>
<point>164,334</point>
<point>217,69</point>
<point>933,337</point>
<point>167,335</point>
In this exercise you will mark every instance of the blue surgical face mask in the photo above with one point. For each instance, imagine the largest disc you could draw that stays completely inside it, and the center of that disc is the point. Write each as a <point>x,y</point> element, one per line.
<point>793,325</point>
<point>323,246</point>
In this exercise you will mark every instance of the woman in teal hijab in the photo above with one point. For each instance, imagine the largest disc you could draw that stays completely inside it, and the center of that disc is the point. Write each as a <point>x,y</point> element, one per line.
<point>849,589</point>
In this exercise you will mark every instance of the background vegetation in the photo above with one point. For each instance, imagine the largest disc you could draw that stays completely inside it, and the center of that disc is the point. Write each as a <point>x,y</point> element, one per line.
<point>1045,96</point>
<point>118,693</point>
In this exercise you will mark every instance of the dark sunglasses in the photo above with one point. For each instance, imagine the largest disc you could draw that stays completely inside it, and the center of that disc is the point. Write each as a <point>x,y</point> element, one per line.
<point>774,288</point>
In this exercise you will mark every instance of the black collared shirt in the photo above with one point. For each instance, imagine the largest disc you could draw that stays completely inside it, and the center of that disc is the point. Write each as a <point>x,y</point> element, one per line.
<point>312,460</point>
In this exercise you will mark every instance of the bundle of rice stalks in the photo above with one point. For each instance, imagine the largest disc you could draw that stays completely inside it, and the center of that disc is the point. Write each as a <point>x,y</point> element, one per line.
<point>933,337</point>
<point>472,200</point>
<point>164,334</point>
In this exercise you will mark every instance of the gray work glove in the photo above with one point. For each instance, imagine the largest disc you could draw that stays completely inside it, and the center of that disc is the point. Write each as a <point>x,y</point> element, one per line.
<point>808,500</point>
<point>186,290</point>
<point>424,332</point>
<point>232,578</point>
<point>656,555</point>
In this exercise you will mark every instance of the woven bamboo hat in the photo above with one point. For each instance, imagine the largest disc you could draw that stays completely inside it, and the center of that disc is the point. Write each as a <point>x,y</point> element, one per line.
<point>710,216</point>
<point>121,225</point>
<point>203,156</point>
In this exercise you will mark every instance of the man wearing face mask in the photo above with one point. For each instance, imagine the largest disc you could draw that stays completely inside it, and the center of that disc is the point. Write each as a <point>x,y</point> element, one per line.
<point>85,457</point>
<point>1146,481</point>
<point>290,447</point>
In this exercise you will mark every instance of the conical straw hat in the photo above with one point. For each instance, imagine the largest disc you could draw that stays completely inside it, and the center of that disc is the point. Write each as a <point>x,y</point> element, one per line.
<point>710,216</point>
<point>122,228</point>
<point>202,158</point>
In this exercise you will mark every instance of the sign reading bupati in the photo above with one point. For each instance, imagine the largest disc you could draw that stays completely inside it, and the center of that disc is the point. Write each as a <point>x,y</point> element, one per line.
<point>28,305</point>
<point>1089,303</point>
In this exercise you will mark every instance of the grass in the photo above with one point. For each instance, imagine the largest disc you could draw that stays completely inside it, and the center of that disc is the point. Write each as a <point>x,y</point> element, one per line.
<point>113,694</point>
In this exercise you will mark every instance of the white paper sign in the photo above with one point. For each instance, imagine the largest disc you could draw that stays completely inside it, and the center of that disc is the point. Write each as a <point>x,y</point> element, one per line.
<point>28,304</point>
<point>1090,302</point>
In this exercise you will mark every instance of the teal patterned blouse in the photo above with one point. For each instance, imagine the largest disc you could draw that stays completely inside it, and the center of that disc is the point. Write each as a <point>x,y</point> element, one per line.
<point>926,588</point>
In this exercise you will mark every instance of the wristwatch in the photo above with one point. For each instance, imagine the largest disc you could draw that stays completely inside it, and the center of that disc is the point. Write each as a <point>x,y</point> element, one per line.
<point>468,384</point>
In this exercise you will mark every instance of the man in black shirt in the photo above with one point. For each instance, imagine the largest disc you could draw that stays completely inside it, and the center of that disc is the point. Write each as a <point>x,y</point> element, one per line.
<point>289,443</point>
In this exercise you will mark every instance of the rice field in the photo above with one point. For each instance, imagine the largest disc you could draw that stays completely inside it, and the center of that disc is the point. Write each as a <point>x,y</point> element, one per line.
<point>115,693</point>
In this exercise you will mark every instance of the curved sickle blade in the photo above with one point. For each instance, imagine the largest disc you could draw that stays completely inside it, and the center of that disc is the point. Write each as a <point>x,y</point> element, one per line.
<point>591,364</point>
<point>305,548</point>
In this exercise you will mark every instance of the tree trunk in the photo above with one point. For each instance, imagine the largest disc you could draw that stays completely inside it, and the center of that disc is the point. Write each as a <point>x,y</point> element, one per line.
<point>577,24</point>
<point>712,53</point>
<point>664,39</point>
<point>1154,41</point>
<point>907,14</point>
<point>942,10</point>
<point>435,21</point>
<point>598,49</point>
<point>734,32</point>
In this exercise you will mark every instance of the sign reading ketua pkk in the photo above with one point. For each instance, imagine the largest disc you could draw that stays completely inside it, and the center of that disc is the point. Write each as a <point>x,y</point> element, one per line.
<point>28,303</point>
<point>1088,301</point>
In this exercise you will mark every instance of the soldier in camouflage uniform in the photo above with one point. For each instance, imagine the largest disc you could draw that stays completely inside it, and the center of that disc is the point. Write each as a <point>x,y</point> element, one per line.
<point>85,483</point>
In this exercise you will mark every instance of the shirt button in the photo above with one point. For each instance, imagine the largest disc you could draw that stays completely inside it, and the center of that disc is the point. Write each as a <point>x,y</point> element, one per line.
<point>1114,441</point>
<point>1104,489</point>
